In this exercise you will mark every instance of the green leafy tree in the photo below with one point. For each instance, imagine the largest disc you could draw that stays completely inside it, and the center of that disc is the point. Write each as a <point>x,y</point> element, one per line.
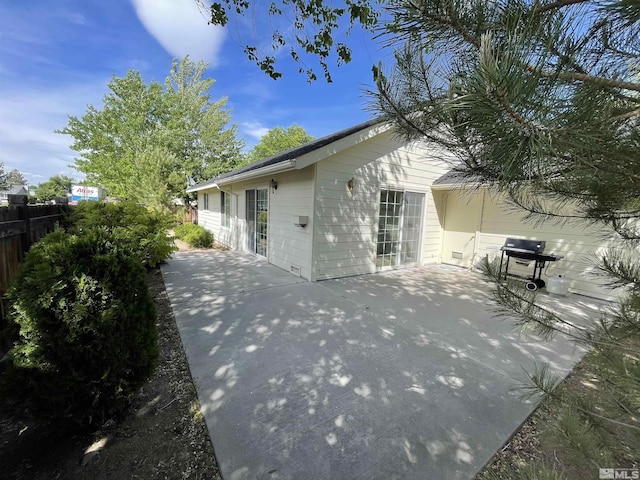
<point>15,177</point>
<point>3,178</point>
<point>538,100</point>
<point>319,30</point>
<point>148,138</point>
<point>56,186</point>
<point>11,178</point>
<point>277,140</point>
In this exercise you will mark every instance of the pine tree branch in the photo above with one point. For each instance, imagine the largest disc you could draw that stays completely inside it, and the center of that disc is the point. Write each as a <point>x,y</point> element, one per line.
<point>449,21</point>
<point>626,116</point>
<point>571,330</point>
<point>577,445</point>
<point>546,213</point>
<point>577,76</point>
<point>558,4</point>
<point>622,424</point>
<point>586,78</point>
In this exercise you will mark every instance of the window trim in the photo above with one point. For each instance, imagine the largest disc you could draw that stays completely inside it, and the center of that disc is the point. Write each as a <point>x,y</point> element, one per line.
<point>205,201</point>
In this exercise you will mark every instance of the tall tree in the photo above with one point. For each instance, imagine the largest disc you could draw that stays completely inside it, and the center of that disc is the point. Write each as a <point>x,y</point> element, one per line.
<point>15,177</point>
<point>538,100</point>
<point>4,184</point>
<point>56,186</point>
<point>277,140</point>
<point>176,123</point>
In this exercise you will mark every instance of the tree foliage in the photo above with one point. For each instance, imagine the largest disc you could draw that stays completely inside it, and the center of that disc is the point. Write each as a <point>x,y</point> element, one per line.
<point>16,177</point>
<point>13,177</point>
<point>142,232</point>
<point>148,138</point>
<point>56,186</point>
<point>316,26</point>
<point>277,140</point>
<point>88,337</point>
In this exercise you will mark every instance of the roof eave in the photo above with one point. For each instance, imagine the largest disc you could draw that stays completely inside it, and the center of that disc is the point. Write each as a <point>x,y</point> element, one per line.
<point>456,186</point>
<point>258,172</point>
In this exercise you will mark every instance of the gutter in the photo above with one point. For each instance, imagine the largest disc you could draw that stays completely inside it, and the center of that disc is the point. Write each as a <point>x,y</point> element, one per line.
<point>456,186</point>
<point>258,172</point>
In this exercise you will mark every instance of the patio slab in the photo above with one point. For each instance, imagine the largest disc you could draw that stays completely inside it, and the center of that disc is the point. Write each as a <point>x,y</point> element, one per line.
<point>404,374</point>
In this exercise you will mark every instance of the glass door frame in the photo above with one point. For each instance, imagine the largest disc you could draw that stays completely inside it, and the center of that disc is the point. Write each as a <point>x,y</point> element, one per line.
<point>393,254</point>
<point>257,204</point>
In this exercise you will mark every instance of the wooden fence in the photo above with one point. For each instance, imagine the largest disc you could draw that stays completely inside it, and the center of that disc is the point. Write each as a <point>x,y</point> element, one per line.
<point>192,214</point>
<point>21,225</point>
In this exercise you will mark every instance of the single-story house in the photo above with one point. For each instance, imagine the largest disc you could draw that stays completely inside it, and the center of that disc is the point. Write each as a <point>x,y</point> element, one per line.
<point>364,200</point>
<point>13,190</point>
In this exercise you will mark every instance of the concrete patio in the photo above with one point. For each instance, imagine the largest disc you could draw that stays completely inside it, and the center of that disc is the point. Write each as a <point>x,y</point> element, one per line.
<point>404,374</point>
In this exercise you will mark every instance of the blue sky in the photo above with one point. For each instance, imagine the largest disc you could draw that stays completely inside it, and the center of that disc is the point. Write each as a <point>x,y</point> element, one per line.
<point>57,57</point>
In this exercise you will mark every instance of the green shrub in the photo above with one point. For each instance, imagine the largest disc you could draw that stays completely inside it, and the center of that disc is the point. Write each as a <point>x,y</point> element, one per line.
<point>142,230</point>
<point>185,229</point>
<point>195,235</point>
<point>87,322</point>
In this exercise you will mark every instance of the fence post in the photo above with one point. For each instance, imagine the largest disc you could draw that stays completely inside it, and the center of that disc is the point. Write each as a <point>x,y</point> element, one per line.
<point>19,203</point>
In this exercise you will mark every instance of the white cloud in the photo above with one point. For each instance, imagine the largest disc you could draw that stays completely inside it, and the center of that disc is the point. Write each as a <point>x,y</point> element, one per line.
<point>181,28</point>
<point>254,129</point>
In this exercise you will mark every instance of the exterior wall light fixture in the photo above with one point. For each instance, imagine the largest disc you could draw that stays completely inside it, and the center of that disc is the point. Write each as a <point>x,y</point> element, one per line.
<point>350,184</point>
<point>274,185</point>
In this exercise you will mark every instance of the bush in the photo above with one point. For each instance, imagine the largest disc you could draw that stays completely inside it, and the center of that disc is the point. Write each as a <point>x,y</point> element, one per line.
<point>195,235</point>
<point>183,230</point>
<point>144,231</point>
<point>87,322</point>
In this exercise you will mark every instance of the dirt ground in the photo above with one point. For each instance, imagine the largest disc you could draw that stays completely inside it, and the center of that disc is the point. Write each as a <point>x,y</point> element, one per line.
<point>163,436</point>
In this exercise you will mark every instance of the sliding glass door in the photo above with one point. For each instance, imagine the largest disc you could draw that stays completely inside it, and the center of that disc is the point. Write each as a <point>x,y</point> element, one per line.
<point>257,210</point>
<point>399,228</point>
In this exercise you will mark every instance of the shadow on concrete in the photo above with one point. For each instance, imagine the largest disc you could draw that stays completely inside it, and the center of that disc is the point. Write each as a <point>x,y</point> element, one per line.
<point>404,374</point>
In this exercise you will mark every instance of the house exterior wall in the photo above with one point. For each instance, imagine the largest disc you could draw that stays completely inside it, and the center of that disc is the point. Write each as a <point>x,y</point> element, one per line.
<point>579,244</point>
<point>346,223</point>
<point>289,246</point>
<point>211,218</point>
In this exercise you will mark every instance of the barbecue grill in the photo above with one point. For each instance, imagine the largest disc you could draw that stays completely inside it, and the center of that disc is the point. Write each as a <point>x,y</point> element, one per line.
<point>525,251</point>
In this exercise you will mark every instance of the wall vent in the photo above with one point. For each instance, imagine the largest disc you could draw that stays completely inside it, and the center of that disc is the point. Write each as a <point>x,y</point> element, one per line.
<point>456,255</point>
<point>295,270</point>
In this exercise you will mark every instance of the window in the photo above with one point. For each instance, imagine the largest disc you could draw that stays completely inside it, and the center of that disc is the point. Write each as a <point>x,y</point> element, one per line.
<point>205,201</point>
<point>225,209</point>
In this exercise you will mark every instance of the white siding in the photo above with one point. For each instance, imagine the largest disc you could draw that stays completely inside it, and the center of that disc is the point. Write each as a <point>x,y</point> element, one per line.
<point>288,246</point>
<point>211,218</point>
<point>461,224</point>
<point>346,224</point>
<point>579,244</point>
